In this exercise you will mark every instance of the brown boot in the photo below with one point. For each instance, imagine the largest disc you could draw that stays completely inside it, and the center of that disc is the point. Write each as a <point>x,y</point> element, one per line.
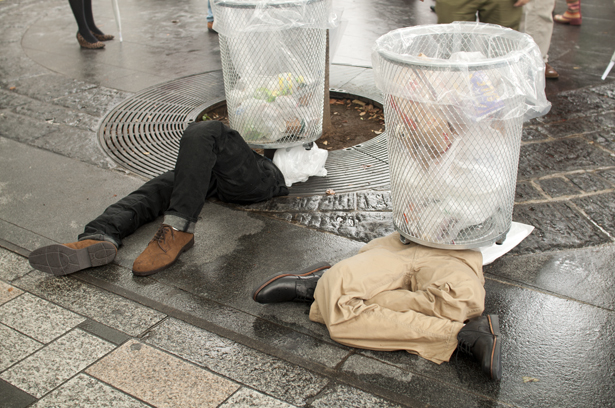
<point>162,251</point>
<point>69,258</point>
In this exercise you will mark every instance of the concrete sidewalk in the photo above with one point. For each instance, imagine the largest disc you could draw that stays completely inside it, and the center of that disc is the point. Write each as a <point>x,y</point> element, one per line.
<point>191,335</point>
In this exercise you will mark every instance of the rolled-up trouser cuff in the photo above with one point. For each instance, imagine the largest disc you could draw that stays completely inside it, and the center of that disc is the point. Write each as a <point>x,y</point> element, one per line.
<point>179,223</point>
<point>100,237</point>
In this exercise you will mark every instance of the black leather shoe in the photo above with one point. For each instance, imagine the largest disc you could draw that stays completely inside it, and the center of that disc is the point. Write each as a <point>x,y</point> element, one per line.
<point>291,287</point>
<point>480,338</point>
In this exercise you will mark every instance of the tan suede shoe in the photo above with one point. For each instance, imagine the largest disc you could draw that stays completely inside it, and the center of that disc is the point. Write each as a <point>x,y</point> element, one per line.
<point>162,251</point>
<point>69,258</point>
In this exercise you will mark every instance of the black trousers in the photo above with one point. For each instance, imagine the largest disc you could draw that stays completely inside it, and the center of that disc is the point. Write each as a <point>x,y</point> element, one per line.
<point>213,160</point>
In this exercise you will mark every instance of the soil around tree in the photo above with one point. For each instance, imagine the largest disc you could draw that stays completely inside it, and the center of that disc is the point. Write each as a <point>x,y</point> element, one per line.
<point>353,121</point>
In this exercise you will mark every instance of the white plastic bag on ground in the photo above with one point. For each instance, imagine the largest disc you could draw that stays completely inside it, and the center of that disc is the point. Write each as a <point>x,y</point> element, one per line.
<point>298,164</point>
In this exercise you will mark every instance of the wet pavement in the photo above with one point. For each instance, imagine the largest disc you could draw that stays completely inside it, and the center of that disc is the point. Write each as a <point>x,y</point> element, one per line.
<point>553,292</point>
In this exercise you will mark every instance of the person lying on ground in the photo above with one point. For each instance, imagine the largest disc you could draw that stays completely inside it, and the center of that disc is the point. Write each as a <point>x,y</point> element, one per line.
<point>395,296</point>
<point>213,161</point>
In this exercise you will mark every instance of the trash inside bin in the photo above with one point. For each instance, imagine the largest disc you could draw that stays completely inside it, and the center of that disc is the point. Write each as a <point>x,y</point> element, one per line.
<point>455,98</point>
<point>273,63</point>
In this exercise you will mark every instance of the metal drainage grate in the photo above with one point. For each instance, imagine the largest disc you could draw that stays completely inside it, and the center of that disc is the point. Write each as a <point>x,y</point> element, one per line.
<point>142,135</point>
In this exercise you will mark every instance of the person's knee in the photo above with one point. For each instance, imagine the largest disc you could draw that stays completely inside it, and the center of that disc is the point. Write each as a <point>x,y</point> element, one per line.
<point>200,130</point>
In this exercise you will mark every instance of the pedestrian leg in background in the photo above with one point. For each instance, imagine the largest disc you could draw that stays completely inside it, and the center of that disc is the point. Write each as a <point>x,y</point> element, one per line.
<point>537,21</point>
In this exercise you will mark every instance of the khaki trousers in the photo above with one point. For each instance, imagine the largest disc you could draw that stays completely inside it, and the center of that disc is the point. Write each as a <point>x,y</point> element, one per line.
<point>537,21</point>
<point>392,296</point>
<point>499,12</point>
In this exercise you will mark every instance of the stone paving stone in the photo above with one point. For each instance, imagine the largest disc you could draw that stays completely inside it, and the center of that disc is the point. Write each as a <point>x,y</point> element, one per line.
<point>161,379</point>
<point>23,129</point>
<point>247,398</point>
<point>605,90</point>
<point>75,143</point>
<point>533,133</point>
<point>608,175</point>
<point>8,292</point>
<point>543,159</point>
<point>12,266</point>
<point>558,226</point>
<point>94,100</point>
<point>13,397</point>
<point>418,389</point>
<point>11,100</point>
<point>38,318</point>
<point>558,187</point>
<point>584,274</point>
<point>525,191</point>
<point>571,127</point>
<point>104,307</point>
<point>15,346</point>
<point>600,208</point>
<point>589,182</point>
<point>270,375</point>
<point>49,86</point>
<point>374,201</point>
<point>578,103</point>
<point>565,344</point>
<point>54,114</point>
<point>56,363</point>
<point>85,391</point>
<point>362,226</point>
<point>348,397</point>
<point>605,138</point>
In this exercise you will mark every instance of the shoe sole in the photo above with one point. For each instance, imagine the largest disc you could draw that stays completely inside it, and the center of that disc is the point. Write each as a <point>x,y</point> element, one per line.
<point>304,272</point>
<point>61,260</point>
<point>494,326</point>
<point>186,247</point>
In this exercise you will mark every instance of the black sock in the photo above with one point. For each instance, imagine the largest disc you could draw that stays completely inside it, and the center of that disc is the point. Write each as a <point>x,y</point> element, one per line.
<point>79,13</point>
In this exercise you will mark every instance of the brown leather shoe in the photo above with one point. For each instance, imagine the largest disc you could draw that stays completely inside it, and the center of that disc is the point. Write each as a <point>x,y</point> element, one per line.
<point>550,73</point>
<point>162,251</point>
<point>69,258</point>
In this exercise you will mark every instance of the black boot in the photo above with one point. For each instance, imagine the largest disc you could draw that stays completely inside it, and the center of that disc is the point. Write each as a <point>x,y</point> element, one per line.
<point>480,338</point>
<point>291,287</point>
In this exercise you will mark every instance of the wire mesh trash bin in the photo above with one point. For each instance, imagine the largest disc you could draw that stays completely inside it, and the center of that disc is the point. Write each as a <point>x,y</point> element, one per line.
<point>273,63</point>
<point>455,98</point>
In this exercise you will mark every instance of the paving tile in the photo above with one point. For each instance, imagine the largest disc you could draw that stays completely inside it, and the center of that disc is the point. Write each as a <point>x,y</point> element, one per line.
<point>419,390</point>
<point>558,187</point>
<point>348,397</point>
<point>267,374</point>
<point>15,346</point>
<point>85,391</point>
<point>589,182</point>
<point>12,266</point>
<point>38,318</point>
<point>247,398</point>
<point>570,154</point>
<point>525,191</point>
<point>8,292</point>
<point>600,208</point>
<point>13,397</point>
<point>161,379</point>
<point>56,363</point>
<point>104,307</point>
<point>558,226</point>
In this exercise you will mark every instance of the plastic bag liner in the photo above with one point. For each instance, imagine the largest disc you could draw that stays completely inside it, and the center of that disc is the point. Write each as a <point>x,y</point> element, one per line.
<point>455,97</point>
<point>298,164</point>
<point>490,65</point>
<point>237,17</point>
